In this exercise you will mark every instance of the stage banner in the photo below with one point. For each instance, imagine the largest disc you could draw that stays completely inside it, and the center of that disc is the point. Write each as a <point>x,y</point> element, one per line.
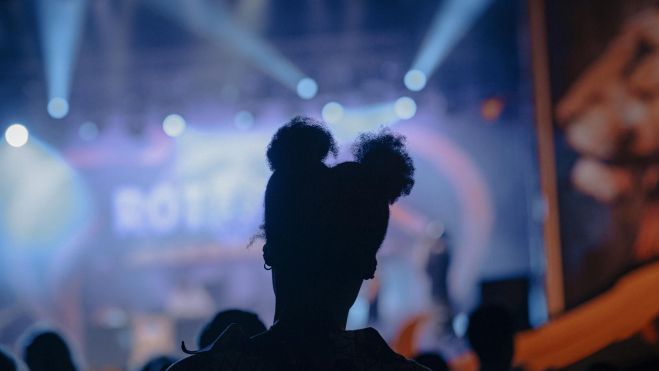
<point>603,64</point>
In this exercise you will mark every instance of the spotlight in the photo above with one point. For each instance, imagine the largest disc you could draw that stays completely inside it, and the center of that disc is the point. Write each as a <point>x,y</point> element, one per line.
<point>173,125</point>
<point>307,88</point>
<point>415,80</point>
<point>88,131</point>
<point>218,24</point>
<point>405,108</point>
<point>243,120</point>
<point>58,108</point>
<point>453,19</point>
<point>332,112</point>
<point>16,135</point>
<point>61,24</point>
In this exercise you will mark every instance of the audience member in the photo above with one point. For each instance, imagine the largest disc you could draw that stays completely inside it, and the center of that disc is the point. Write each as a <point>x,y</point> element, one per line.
<point>47,351</point>
<point>323,227</point>
<point>602,366</point>
<point>250,323</point>
<point>7,361</point>
<point>491,335</point>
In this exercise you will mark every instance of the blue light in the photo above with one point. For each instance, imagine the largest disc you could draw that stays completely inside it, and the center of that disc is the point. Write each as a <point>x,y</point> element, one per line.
<point>88,131</point>
<point>243,120</point>
<point>58,108</point>
<point>60,23</point>
<point>451,22</point>
<point>415,80</point>
<point>405,108</point>
<point>212,21</point>
<point>332,112</point>
<point>307,88</point>
<point>173,125</point>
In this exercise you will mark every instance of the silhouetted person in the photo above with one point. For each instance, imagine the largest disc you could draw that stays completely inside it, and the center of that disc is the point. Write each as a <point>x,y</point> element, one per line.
<point>602,366</point>
<point>158,363</point>
<point>433,361</point>
<point>323,226</point>
<point>7,361</point>
<point>46,351</point>
<point>249,322</point>
<point>491,335</point>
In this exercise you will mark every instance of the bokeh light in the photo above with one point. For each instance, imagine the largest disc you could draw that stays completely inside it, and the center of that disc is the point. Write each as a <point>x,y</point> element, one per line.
<point>88,131</point>
<point>173,125</point>
<point>243,120</point>
<point>332,112</point>
<point>405,108</point>
<point>415,80</point>
<point>307,88</point>
<point>58,108</point>
<point>491,109</point>
<point>17,135</point>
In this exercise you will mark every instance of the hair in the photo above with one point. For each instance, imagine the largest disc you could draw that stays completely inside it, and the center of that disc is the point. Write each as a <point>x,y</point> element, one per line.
<point>47,350</point>
<point>320,218</point>
<point>250,323</point>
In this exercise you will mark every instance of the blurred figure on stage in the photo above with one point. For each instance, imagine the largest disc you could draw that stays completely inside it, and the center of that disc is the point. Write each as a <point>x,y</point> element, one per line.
<point>47,351</point>
<point>491,335</point>
<point>323,227</point>
<point>249,322</point>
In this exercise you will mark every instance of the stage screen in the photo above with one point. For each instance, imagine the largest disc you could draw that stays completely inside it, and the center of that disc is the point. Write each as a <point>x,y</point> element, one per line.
<point>132,213</point>
<point>604,73</point>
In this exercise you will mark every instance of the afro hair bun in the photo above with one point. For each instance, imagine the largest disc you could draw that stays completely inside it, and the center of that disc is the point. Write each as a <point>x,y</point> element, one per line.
<point>385,158</point>
<point>301,142</point>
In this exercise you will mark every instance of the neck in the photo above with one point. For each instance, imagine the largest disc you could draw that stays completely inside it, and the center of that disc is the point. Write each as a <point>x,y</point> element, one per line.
<point>306,315</point>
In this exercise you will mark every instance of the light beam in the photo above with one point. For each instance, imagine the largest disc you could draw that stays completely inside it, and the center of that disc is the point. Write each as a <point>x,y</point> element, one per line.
<point>60,24</point>
<point>211,21</point>
<point>451,22</point>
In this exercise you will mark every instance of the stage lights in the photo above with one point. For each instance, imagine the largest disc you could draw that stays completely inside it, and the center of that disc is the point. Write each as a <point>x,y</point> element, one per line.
<point>88,131</point>
<point>17,135</point>
<point>451,22</point>
<point>307,88</point>
<point>60,23</point>
<point>243,120</point>
<point>415,80</point>
<point>173,125</point>
<point>58,107</point>
<point>212,21</point>
<point>405,108</point>
<point>332,112</point>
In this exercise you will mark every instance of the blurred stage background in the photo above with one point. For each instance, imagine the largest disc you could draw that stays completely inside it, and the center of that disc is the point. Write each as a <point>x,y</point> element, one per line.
<point>133,165</point>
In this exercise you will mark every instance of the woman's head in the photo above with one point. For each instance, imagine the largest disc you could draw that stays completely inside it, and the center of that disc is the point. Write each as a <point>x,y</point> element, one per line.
<point>326,223</point>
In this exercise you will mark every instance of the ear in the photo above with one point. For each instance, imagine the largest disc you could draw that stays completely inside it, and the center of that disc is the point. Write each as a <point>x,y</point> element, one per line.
<point>267,257</point>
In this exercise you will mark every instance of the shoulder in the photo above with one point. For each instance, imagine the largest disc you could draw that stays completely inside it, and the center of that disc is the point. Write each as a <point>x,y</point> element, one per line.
<point>228,352</point>
<point>376,348</point>
<point>227,360</point>
<point>199,362</point>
